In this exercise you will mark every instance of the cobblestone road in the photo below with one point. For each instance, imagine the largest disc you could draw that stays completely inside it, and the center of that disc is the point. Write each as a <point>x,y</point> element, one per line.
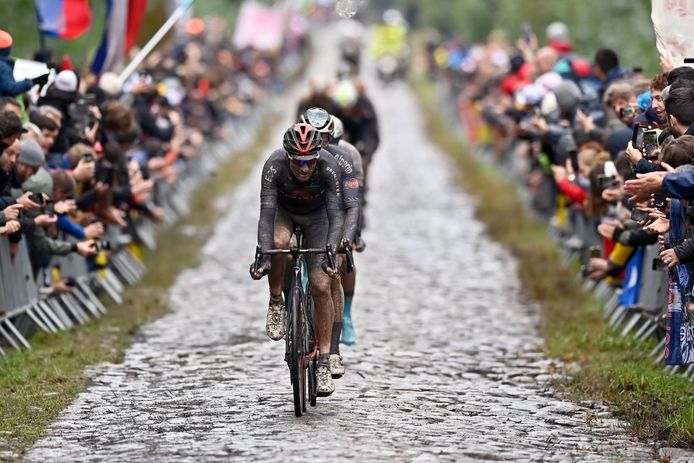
<point>446,367</point>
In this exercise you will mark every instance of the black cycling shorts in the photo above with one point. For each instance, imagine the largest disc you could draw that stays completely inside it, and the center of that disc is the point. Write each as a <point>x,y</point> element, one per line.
<point>314,227</point>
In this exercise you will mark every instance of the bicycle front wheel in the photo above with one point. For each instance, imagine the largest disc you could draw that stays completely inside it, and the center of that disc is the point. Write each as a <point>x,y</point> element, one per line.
<point>297,351</point>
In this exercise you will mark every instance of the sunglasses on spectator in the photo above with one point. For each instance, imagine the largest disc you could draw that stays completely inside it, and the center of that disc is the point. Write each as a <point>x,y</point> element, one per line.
<point>302,162</point>
<point>628,111</point>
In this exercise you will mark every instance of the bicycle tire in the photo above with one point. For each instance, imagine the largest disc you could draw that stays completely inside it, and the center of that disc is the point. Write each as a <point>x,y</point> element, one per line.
<point>296,352</point>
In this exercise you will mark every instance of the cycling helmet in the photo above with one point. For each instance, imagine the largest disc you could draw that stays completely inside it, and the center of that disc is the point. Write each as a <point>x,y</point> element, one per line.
<point>345,94</point>
<point>319,118</point>
<point>338,128</point>
<point>302,142</point>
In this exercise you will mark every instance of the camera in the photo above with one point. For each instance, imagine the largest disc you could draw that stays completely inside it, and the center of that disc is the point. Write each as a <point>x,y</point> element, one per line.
<point>80,115</point>
<point>629,111</point>
<point>37,198</point>
<point>103,174</point>
<point>48,208</point>
<point>594,252</point>
<point>102,245</point>
<point>607,181</point>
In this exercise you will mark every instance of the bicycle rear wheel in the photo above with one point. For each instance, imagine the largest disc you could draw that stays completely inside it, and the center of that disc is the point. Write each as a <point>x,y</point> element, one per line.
<point>310,344</point>
<point>297,351</point>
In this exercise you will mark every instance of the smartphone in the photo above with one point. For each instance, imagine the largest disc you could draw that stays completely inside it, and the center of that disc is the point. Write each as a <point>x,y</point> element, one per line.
<point>595,252</point>
<point>637,140</point>
<point>650,143</point>
<point>639,215</point>
<point>658,265</point>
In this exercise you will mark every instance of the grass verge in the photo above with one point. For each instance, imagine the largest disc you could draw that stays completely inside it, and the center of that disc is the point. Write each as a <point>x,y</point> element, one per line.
<point>35,386</point>
<point>615,370</point>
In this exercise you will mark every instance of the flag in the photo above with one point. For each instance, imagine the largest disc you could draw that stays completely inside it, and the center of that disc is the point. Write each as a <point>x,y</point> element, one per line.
<point>259,27</point>
<point>123,19</point>
<point>64,19</point>
<point>674,35</point>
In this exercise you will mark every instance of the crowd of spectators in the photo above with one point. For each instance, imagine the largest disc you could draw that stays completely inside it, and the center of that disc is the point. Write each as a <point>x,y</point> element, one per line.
<point>595,144</point>
<point>83,157</point>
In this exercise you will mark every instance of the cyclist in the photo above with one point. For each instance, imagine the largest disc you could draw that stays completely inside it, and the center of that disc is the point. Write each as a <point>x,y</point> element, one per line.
<point>301,186</point>
<point>317,96</point>
<point>359,120</point>
<point>321,120</point>
<point>349,280</point>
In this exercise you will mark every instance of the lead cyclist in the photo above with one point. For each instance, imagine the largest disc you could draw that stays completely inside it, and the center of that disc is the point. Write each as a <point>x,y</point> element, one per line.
<point>301,185</point>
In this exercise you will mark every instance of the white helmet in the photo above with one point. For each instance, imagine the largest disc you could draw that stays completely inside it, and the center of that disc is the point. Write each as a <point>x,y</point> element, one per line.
<point>338,128</point>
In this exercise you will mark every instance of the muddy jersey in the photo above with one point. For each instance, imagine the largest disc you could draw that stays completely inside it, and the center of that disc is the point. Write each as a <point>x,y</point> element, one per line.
<point>279,188</point>
<point>356,158</point>
<point>351,198</point>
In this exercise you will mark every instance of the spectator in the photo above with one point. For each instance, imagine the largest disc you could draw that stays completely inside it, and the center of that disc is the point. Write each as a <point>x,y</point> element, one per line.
<point>8,85</point>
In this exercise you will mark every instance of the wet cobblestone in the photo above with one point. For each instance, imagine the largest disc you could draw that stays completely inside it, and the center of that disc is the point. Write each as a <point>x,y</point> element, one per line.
<point>446,367</point>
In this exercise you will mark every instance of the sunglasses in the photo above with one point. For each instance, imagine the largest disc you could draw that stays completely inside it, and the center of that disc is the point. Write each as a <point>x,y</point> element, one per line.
<point>302,162</point>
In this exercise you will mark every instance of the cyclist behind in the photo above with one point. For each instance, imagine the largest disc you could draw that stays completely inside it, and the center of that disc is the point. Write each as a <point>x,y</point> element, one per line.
<point>301,185</point>
<point>320,119</point>
<point>359,120</point>
<point>317,96</point>
<point>349,280</point>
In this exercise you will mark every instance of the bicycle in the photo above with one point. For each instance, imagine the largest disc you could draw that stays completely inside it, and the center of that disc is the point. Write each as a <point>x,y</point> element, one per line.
<point>301,341</point>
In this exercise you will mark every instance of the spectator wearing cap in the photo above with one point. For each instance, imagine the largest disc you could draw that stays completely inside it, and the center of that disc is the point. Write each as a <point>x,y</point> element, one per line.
<point>29,168</point>
<point>8,85</point>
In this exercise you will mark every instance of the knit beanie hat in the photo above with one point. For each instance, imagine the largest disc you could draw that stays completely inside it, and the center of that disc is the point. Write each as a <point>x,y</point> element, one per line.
<point>66,81</point>
<point>30,153</point>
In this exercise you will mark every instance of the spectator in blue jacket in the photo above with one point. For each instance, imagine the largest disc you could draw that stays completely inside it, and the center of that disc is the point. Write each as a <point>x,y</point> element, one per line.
<point>8,85</point>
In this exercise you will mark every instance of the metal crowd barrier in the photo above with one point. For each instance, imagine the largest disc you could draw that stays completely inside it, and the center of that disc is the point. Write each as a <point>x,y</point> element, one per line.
<point>24,307</point>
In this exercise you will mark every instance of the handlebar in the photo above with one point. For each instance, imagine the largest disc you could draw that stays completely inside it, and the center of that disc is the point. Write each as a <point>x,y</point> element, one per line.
<point>259,253</point>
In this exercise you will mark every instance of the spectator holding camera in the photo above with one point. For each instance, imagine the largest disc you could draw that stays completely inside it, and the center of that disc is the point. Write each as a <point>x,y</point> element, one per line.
<point>679,107</point>
<point>10,130</point>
